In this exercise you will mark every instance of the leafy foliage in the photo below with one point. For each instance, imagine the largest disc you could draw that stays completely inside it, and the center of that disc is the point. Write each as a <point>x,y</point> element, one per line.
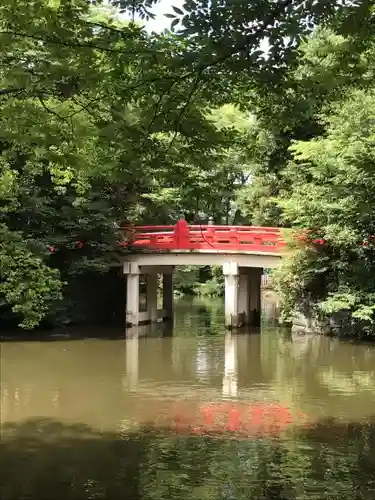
<point>102,124</point>
<point>333,193</point>
<point>194,280</point>
<point>26,282</point>
<point>95,133</point>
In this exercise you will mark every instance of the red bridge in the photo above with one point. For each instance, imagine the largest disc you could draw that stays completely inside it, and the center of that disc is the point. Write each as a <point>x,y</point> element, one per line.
<point>242,252</point>
<point>182,236</point>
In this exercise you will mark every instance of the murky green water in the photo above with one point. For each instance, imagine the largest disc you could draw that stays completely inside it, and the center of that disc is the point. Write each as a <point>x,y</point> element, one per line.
<point>199,414</point>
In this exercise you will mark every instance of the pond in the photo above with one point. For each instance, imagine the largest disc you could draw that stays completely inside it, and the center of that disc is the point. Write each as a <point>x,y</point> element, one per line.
<point>191,412</point>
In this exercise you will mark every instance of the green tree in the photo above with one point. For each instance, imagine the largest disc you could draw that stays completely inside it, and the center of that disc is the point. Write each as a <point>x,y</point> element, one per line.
<point>326,64</point>
<point>82,112</point>
<point>325,186</point>
<point>102,124</point>
<point>332,194</point>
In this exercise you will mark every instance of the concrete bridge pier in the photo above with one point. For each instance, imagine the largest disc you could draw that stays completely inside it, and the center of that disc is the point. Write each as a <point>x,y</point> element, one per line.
<point>242,295</point>
<point>231,284</point>
<point>242,290</point>
<point>168,294</point>
<point>133,272</point>
<point>152,297</point>
<point>255,283</point>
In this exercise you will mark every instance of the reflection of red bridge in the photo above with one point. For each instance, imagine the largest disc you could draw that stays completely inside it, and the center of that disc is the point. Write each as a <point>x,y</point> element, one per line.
<point>239,418</point>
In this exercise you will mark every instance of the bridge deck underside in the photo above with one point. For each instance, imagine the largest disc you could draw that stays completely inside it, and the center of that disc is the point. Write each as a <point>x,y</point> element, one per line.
<point>204,258</point>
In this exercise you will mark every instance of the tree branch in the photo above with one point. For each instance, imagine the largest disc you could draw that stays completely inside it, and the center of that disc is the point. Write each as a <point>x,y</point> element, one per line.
<point>158,105</point>
<point>185,108</point>
<point>119,31</point>
<point>52,112</point>
<point>11,91</point>
<point>249,39</point>
<point>240,46</point>
<point>84,107</point>
<point>76,44</point>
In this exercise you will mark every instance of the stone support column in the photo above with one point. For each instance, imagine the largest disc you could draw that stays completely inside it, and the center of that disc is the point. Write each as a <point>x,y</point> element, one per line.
<point>152,297</point>
<point>230,271</point>
<point>244,297</point>
<point>132,295</point>
<point>255,275</point>
<point>168,295</point>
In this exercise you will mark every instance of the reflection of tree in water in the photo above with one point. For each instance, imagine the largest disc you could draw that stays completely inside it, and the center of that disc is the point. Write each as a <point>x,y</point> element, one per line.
<point>43,460</point>
<point>205,317</point>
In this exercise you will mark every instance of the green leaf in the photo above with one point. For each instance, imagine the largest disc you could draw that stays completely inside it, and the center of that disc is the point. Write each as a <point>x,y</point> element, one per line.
<point>174,23</point>
<point>177,10</point>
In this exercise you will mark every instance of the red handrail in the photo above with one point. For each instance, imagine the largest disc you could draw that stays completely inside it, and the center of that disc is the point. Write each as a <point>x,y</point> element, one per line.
<point>182,236</point>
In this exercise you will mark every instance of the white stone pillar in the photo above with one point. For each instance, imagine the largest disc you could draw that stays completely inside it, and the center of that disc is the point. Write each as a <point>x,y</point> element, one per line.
<point>168,295</point>
<point>230,366</point>
<point>132,294</point>
<point>243,297</point>
<point>152,297</point>
<point>230,271</point>
<point>255,275</point>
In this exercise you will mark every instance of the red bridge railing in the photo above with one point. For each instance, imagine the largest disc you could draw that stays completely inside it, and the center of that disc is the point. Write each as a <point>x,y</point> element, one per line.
<point>183,236</point>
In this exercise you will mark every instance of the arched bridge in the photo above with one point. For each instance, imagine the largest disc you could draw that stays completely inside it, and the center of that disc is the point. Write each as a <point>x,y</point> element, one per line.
<point>242,251</point>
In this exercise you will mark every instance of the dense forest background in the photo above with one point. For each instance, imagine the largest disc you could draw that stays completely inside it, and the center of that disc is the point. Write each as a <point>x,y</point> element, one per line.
<point>257,112</point>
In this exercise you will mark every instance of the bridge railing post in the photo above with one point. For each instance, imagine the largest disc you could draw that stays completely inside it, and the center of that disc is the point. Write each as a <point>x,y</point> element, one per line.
<point>181,233</point>
<point>210,234</point>
<point>233,237</point>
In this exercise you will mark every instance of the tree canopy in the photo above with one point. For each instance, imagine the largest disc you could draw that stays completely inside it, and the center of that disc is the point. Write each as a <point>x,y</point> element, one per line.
<point>103,124</point>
